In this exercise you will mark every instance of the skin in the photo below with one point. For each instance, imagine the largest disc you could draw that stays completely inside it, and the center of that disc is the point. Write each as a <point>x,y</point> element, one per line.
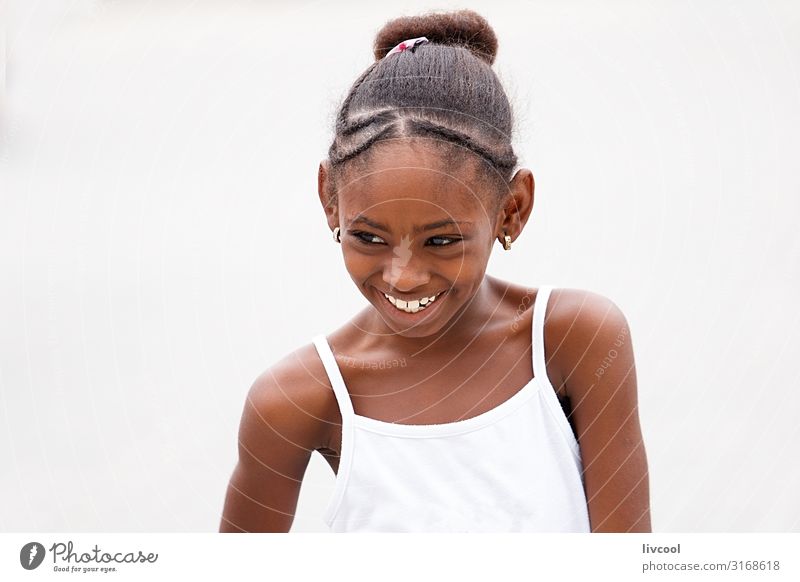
<point>472,354</point>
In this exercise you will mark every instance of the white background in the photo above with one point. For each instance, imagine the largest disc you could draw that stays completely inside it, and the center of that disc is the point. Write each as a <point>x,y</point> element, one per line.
<point>162,243</point>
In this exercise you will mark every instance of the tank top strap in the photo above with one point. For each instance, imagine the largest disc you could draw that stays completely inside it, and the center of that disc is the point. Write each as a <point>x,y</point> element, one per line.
<point>537,330</point>
<point>335,376</point>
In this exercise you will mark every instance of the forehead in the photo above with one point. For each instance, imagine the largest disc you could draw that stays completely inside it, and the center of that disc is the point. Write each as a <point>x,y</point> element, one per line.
<point>408,175</point>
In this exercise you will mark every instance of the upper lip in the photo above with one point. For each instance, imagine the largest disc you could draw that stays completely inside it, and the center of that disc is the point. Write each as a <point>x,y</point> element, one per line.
<point>412,298</point>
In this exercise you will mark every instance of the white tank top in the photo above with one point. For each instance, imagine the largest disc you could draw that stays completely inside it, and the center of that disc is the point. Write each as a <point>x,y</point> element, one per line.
<point>514,468</point>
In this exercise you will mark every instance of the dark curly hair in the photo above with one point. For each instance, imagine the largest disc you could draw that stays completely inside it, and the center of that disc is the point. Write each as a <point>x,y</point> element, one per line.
<point>445,89</point>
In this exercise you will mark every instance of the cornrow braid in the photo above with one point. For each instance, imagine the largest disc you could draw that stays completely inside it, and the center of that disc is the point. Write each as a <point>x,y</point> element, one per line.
<point>344,110</point>
<point>445,88</point>
<point>501,156</point>
<point>355,125</point>
<point>347,152</point>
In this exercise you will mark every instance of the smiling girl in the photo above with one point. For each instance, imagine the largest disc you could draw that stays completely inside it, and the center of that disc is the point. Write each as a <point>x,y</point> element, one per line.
<point>454,401</point>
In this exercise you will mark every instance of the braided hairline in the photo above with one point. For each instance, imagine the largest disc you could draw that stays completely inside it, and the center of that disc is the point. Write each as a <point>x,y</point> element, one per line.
<point>339,153</point>
<point>344,112</point>
<point>503,161</point>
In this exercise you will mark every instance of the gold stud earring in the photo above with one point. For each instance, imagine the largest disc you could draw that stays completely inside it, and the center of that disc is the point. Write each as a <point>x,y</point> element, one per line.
<point>507,243</point>
<point>337,235</point>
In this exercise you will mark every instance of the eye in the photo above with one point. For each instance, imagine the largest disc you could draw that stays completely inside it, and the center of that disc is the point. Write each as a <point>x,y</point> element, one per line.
<point>367,238</point>
<point>449,241</point>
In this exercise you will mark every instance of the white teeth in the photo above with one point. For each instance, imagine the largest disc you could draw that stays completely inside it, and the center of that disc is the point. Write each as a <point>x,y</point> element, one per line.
<point>411,306</point>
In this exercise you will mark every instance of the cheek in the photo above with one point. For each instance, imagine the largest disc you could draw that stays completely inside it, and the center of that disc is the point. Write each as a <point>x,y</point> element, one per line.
<point>356,263</point>
<point>471,262</point>
<point>359,264</point>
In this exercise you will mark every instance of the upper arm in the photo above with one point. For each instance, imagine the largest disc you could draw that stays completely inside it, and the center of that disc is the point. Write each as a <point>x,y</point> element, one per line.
<point>279,431</point>
<point>594,354</point>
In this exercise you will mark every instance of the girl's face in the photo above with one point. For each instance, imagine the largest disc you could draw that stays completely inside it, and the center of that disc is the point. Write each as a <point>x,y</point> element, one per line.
<point>413,228</point>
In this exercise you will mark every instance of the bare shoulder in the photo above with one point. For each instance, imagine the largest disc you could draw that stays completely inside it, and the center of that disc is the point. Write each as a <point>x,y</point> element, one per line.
<point>585,332</point>
<point>281,426</point>
<point>567,305</point>
<point>291,398</point>
<point>589,339</point>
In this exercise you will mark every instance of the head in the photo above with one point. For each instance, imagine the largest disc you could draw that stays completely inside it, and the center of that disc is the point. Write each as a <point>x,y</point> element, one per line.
<point>421,176</point>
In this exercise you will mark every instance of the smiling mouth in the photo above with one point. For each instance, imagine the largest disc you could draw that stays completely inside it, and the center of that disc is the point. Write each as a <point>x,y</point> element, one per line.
<point>415,305</point>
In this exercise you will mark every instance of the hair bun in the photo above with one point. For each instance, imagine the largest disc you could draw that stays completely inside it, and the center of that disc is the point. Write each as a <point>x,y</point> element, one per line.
<point>464,28</point>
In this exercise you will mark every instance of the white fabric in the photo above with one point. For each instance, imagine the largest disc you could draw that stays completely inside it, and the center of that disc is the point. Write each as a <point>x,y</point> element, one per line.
<point>409,44</point>
<point>514,468</point>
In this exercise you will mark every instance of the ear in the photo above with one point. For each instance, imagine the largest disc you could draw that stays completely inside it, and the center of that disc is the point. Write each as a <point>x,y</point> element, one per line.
<point>327,194</point>
<point>519,204</point>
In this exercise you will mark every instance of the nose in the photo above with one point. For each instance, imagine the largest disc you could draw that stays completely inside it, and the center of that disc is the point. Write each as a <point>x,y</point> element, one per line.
<point>405,273</point>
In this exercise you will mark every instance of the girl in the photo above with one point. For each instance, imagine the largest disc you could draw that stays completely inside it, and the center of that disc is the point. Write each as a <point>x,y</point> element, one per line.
<point>454,401</point>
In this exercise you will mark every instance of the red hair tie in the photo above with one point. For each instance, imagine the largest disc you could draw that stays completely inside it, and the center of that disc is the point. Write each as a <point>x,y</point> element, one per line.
<point>410,44</point>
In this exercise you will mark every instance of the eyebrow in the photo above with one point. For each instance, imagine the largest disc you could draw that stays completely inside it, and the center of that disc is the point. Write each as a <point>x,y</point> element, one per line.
<point>433,225</point>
